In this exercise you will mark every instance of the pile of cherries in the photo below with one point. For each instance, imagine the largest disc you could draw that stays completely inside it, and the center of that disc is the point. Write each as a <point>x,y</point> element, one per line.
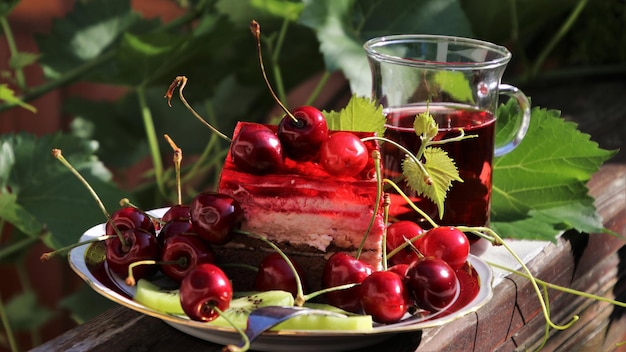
<point>180,246</point>
<point>431,273</point>
<point>302,135</point>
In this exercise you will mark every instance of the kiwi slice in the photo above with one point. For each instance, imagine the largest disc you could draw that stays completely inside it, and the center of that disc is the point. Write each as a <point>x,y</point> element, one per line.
<point>168,301</point>
<point>152,296</point>
<point>241,307</point>
<point>352,321</point>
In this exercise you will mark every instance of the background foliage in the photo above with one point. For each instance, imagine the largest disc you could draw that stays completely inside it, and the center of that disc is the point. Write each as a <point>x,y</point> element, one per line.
<point>108,42</point>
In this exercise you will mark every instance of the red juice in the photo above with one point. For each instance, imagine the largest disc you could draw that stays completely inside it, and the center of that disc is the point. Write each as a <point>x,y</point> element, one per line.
<point>467,203</point>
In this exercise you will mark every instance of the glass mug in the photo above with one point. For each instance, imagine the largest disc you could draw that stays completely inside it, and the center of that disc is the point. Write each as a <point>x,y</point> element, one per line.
<point>459,81</point>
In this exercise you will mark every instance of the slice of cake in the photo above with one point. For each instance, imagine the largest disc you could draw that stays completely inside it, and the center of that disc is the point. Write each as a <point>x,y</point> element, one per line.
<point>307,212</point>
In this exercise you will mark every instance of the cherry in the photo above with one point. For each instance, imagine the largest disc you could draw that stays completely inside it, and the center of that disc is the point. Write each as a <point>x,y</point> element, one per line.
<point>397,234</point>
<point>256,149</point>
<point>302,132</point>
<point>384,297</point>
<point>400,269</point>
<point>275,274</point>
<point>432,283</point>
<point>189,248</point>
<point>205,288</point>
<point>469,283</point>
<point>343,154</point>
<point>214,216</point>
<point>141,245</point>
<point>129,218</point>
<point>172,228</point>
<point>447,243</point>
<point>340,269</point>
<point>176,212</point>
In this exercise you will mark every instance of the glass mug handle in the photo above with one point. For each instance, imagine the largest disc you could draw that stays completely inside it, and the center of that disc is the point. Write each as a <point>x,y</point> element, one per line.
<point>522,124</point>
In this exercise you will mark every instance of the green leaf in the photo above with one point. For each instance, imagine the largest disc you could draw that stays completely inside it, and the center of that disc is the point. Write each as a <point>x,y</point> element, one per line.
<point>425,126</point>
<point>8,96</point>
<point>25,313</point>
<point>23,59</point>
<point>243,11</point>
<point>343,26</point>
<point>360,114</point>
<point>15,214</point>
<point>441,172</point>
<point>45,194</point>
<point>86,32</point>
<point>543,181</point>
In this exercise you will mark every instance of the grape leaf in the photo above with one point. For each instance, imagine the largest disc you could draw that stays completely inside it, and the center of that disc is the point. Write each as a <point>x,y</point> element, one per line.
<point>441,170</point>
<point>85,33</point>
<point>45,195</point>
<point>240,11</point>
<point>360,114</point>
<point>539,189</point>
<point>425,126</point>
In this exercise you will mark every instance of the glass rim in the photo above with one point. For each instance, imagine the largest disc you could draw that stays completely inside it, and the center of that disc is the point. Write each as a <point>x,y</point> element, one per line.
<point>372,44</point>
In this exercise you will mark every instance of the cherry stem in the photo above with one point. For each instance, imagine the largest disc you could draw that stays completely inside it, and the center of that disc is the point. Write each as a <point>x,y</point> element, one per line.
<point>255,28</point>
<point>244,337</point>
<point>376,156</point>
<point>328,289</point>
<point>481,231</point>
<point>130,280</point>
<point>458,138</point>
<point>386,203</point>
<point>65,249</point>
<point>408,153</point>
<point>407,242</point>
<point>125,202</point>
<point>180,82</point>
<point>410,202</point>
<point>57,153</point>
<point>299,299</point>
<point>560,288</point>
<point>177,158</point>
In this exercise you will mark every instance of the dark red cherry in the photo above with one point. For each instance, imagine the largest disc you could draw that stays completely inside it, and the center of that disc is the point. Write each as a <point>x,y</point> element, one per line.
<point>189,248</point>
<point>141,245</point>
<point>129,218</point>
<point>275,274</point>
<point>340,269</point>
<point>447,243</point>
<point>301,139</point>
<point>432,283</point>
<point>204,288</point>
<point>214,216</point>
<point>384,297</point>
<point>256,149</point>
<point>343,154</point>
<point>172,228</point>
<point>400,269</point>
<point>176,212</point>
<point>397,234</point>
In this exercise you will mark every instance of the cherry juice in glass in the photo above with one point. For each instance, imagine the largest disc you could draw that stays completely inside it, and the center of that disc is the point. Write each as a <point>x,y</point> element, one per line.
<point>467,202</point>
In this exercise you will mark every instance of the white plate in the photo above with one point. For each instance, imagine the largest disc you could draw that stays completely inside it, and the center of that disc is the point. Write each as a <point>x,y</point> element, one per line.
<point>88,262</point>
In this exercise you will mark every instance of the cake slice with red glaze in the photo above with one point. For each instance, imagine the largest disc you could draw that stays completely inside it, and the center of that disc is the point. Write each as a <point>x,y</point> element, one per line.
<point>307,212</point>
